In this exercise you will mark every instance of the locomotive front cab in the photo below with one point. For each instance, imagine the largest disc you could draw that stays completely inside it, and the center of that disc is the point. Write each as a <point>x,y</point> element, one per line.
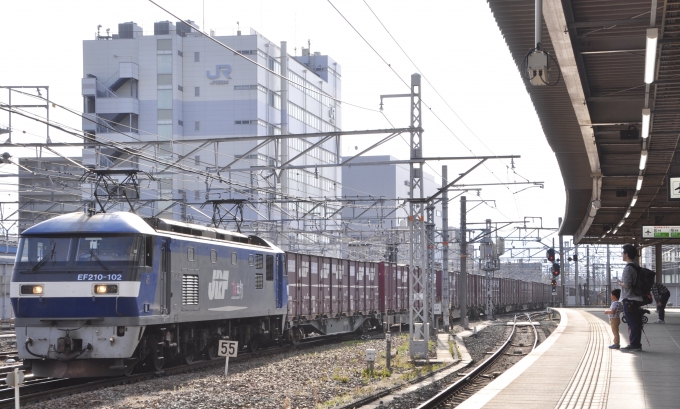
<point>77,296</point>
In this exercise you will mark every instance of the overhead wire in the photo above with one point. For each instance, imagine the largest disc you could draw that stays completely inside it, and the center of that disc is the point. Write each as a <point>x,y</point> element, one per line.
<point>181,142</point>
<point>405,83</point>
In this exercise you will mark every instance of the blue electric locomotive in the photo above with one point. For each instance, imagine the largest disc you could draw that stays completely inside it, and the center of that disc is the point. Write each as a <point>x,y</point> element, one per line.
<point>99,295</point>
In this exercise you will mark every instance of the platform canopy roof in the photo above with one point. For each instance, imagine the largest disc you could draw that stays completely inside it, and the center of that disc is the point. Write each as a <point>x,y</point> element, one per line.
<point>600,46</point>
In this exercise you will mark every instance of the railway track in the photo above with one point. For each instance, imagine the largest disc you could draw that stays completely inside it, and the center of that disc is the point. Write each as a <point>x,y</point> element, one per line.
<point>521,341</point>
<point>42,389</point>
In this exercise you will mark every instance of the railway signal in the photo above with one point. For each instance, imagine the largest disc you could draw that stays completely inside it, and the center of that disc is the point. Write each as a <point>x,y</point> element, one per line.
<point>555,270</point>
<point>550,254</point>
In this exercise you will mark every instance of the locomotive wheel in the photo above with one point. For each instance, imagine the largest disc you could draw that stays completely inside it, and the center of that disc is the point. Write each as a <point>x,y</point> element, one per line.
<point>296,335</point>
<point>211,352</point>
<point>254,344</point>
<point>130,369</point>
<point>189,353</point>
<point>155,356</point>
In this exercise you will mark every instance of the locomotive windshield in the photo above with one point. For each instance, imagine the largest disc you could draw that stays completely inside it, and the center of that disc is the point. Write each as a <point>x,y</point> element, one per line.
<point>38,251</point>
<point>100,252</point>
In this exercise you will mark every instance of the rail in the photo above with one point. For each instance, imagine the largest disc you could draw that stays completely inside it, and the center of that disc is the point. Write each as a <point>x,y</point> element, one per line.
<point>451,390</point>
<point>43,389</point>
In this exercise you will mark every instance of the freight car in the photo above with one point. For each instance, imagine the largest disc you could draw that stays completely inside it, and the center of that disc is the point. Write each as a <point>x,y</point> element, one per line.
<point>106,294</point>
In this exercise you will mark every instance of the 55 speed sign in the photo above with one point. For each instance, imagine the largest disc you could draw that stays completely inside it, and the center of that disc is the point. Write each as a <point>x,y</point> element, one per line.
<point>227,348</point>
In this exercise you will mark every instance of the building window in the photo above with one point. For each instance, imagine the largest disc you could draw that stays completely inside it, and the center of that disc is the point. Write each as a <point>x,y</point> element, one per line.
<point>164,64</point>
<point>164,99</point>
<point>197,195</point>
<point>197,126</point>
<point>165,132</point>
<point>197,56</point>
<point>164,45</point>
<point>197,91</point>
<point>197,160</point>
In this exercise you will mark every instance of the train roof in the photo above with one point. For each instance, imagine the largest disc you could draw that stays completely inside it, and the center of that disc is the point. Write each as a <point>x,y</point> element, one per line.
<point>75,223</point>
<point>130,223</point>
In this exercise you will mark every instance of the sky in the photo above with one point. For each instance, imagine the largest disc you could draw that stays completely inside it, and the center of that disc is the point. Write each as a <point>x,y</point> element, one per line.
<point>476,102</point>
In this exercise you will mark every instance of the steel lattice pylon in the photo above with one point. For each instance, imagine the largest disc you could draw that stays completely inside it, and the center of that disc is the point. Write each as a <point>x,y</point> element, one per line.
<point>418,283</point>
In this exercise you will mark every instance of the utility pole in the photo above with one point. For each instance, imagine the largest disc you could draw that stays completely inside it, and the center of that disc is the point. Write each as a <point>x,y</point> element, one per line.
<point>587,297</point>
<point>576,286</point>
<point>418,282</point>
<point>462,285</point>
<point>446,297</point>
<point>283,175</point>
<point>564,272</point>
<point>488,258</point>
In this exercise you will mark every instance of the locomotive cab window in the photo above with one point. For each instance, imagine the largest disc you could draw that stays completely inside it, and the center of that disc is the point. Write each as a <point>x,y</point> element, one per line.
<point>44,252</point>
<point>102,250</point>
<point>234,258</point>
<point>190,254</point>
<point>213,256</point>
<point>270,268</point>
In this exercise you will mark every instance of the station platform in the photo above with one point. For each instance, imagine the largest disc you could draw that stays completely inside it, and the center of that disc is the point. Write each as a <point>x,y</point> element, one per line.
<point>574,368</point>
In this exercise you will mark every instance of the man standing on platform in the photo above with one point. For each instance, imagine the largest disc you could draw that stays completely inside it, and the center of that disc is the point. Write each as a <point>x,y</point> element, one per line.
<point>631,302</point>
<point>661,296</point>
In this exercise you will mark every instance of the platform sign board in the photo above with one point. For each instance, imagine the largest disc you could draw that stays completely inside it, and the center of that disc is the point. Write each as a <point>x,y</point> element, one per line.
<point>437,307</point>
<point>661,232</point>
<point>673,188</point>
<point>227,349</point>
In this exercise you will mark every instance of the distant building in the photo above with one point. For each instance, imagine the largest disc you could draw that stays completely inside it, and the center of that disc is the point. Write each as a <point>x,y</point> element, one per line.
<point>377,219</point>
<point>182,91</point>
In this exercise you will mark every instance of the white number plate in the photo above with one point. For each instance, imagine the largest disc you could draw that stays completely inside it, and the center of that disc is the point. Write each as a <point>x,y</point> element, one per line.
<point>227,348</point>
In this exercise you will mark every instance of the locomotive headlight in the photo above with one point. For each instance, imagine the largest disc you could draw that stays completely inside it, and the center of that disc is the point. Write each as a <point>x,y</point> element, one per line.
<point>106,288</point>
<point>31,289</point>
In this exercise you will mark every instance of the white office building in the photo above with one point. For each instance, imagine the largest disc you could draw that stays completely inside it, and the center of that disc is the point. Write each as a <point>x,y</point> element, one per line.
<point>186,95</point>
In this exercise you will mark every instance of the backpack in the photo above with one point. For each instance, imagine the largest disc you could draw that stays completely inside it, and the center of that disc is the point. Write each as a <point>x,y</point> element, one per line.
<point>644,279</point>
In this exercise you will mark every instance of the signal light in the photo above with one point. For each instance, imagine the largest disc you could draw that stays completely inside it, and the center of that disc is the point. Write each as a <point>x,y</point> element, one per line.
<point>550,254</point>
<point>556,269</point>
<point>553,282</point>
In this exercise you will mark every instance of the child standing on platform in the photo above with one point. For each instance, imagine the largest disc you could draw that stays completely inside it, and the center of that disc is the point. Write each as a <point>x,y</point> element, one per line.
<point>614,313</point>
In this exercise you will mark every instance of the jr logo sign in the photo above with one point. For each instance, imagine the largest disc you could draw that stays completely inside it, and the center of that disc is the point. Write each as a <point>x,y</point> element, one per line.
<point>222,69</point>
<point>218,285</point>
